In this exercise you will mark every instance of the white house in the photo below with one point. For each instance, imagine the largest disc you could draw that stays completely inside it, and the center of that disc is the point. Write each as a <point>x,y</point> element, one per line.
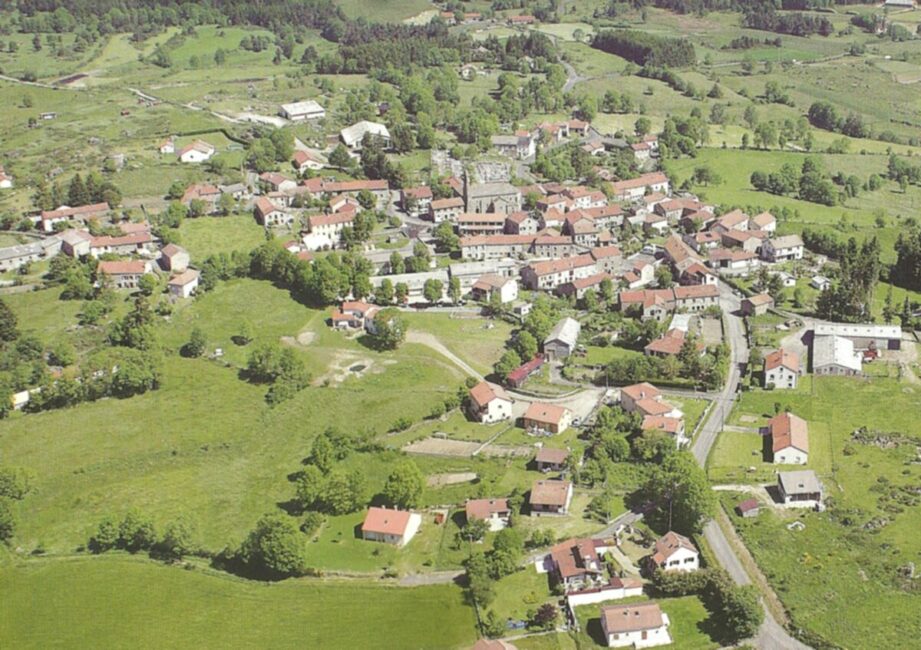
<point>197,152</point>
<point>781,369</point>
<point>800,489</point>
<point>789,439</point>
<point>489,403</point>
<point>489,284</point>
<point>780,249</point>
<point>352,136</point>
<point>184,284</point>
<point>268,214</point>
<point>675,552</point>
<point>300,111</point>
<point>640,625</point>
<point>390,526</point>
<point>495,512</point>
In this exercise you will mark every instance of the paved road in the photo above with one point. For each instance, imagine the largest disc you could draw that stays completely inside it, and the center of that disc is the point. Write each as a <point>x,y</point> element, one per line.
<point>772,635</point>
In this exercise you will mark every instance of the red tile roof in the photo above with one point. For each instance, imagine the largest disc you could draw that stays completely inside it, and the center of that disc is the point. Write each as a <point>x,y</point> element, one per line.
<point>386,522</point>
<point>550,493</point>
<point>485,508</point>
<point>783,358</point>
<point>545,413</point>
<point>129,267</point>
<point>788,430</point>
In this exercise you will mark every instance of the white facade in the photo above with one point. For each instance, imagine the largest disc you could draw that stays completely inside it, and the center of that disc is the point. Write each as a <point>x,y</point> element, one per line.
<point>682,559</point>
<point>497,410</point>
<point>641,638</point>
<point>412,527</point>
<point>790,456</point>
<point>781,377</point>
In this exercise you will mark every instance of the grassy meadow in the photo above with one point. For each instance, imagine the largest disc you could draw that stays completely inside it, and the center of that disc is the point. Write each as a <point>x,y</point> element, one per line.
<point>838,577</point>
<point>106,601</point>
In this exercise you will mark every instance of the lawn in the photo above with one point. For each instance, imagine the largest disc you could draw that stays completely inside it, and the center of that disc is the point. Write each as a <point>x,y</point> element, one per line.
<point>599,356</point>
<point>103,602</point>
<point>212,235</point>
<point>842,582</point>
<point>477,341</point>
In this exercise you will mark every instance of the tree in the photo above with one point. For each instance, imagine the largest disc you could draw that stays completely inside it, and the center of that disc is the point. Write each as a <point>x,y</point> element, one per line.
<point>507,363</point>
<point>106,536</point>
<point>397,265</point>
<point>197,343</point>
<point>389,328</point>
<point>404,486</point>
<point>7,520</point>
<point>642,126</point>
<point>680,493</point>
<point>664,277</point>
<point>147,284</point>
<point>454,290</point>
<point>311,484</point>
<point>344,493</point>
<point>137,531</point>
<point>433,290</point>
<point>178,539</point>
<point>473,531</point>
<point>8,323</point>
<point>339,157</point>
<point>480,585</point>
<point>383,295</point>
<point>15,483</point>
<point>275,547</point>
<point>526,345</point>
<point>545,617</point>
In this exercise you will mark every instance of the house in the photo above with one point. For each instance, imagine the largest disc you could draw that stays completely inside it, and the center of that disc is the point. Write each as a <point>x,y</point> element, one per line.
<point>467,72</point>
<point>522,19</point>
<point>630,396</point>
<point>300,111</point>
<point>471,223</point>
<point>781,369</point>
<point>521,223</point>
<point>781,249</point>
<point>304,161</point>
<point>352,136</point>
<point>789,439</point>
<point>549,274</point>
<point>563,339</point>
<point>671,425</point>
<point>64,214</point>
<point>184,284</point>
<point>576,565</point>
<point>75,243</point>
<point>446,209</point>
<point>669,344</point>
<point>819,282</point>
<point>140,242</point>
<point>635,188</point>
<point>549,459</point>
<point>578,288</point>
<point>639,625</point>
<point>495,512</point>
<point>734,220</point>
<point>491,197</point>
<point>550,497</point>
<point>329,227</point>
<point>749,508</point>
<point>517,377</point>
<point>168,146</point>
<point>835,355</point>
<point>546,418</point>
<point>277,182</point>
<point>197,152</point>
<point>757,305</point>
<point>416,200</point>
<point>488,285</point>
<point>174,258</point>
<point>380,189</point>
<point>488,403</point>
<point>800,489</point>
<point>390,526</point>
<point>209,194</point>
<point>674,552</point>
<point>269,215</point>
<point>521,145</point>
<point>14,257</point>
<point>764,221</point>
<point>123,274</point>
<point>6,181</point>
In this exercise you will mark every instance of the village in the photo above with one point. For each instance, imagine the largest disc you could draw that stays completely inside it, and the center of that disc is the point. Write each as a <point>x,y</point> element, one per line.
<point>510,339</point>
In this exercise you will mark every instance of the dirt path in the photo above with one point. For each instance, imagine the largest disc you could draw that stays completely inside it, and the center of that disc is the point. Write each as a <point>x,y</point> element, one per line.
<point>430,341</point>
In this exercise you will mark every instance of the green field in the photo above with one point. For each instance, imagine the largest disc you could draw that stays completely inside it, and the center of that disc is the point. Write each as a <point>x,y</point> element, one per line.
<point>105,602</point>
<point>212,235</point>
<point>854,570</point>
